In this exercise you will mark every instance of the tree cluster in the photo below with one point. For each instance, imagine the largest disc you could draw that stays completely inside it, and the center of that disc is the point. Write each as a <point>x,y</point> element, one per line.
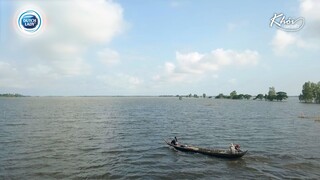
<point>204,95</point>
<point>272,95</point>
<point>234,95</point>
<point>310,92</point>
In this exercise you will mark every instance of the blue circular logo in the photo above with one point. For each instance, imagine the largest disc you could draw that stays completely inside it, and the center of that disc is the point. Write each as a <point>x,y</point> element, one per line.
<point>29,21</point>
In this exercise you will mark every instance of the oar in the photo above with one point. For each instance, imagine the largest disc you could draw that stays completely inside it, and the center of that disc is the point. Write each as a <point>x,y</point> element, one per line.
<point>166,141</point>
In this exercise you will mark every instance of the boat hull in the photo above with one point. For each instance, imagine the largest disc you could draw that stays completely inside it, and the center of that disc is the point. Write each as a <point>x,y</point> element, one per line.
<point>210,152</point>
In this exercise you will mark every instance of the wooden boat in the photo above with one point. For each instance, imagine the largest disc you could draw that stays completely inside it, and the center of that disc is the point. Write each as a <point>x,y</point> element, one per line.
<point>211,152</point>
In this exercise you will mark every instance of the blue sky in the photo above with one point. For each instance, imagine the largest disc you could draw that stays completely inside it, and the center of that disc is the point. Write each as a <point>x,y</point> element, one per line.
<point>146,47</point>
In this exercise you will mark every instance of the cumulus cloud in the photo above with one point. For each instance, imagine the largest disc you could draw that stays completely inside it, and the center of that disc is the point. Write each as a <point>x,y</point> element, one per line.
<point>283,40</point>
<point>78,21</point>
<point>308,37</point>
<point>108,56</point>
<point>70,30</point>
<point>194,64</point>
<point>310,9</point>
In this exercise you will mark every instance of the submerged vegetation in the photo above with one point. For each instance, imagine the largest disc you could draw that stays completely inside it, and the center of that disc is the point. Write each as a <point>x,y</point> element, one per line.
<point>234,95</point>
<point>272,95</point>
<point>310,92</point>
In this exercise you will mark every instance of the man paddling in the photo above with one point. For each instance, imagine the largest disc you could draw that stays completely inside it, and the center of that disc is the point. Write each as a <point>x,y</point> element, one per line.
<point>174,141</point>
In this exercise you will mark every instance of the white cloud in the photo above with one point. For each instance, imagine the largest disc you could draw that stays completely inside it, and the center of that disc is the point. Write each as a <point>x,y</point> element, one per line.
<point>282,40</point>
<point>310,9</point>
<point>80,21</point>
<point>108,56</point>
<point>284,43</point>
<point>190,62</point>
<point>39,70</point>
<point>231,57</point>
<point>63,48</point>
<point>66,60</point>
<point>71,29</point>
<point>71,67</point>
<point>193,65</point>
<point>96,20</point>
<point>77,22</point>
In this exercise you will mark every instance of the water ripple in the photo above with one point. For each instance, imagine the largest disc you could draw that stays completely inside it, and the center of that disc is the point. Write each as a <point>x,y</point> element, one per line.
<point>122,138</point>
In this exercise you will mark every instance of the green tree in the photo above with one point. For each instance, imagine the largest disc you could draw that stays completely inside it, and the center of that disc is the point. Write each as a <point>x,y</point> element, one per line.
<point>259,96</point>
<point>314,90</point>
<point>281,96</point>
<point>204,95</point>
<point>220,96</point>
<point>271,94</point>
<point>307,92</point>
<point>300,97</point>
<point>317,93</point>
<point>233,94</point>
<point>240,96</point>
<point>247,96</point>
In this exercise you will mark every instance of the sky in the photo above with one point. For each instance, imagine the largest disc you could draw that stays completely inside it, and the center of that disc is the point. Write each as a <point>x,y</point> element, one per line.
<point>161,47</point>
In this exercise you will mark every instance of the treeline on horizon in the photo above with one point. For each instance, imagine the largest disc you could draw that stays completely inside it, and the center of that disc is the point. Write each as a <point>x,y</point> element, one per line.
<point>310,94</point>
<point>11,95</point>
<point>272,95</point>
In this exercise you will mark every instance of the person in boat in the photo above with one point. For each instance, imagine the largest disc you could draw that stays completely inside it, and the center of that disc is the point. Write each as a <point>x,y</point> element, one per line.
<point>232,149</point>
<point>174,141</point>
<point>237,147</point>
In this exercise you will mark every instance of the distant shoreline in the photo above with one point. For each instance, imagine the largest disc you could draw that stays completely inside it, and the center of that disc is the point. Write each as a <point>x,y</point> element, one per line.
<point>12,95</point>
<point>162,96</point>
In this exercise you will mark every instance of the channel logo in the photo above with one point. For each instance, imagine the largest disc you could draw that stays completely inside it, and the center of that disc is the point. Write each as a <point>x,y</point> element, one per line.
<point>29,22</point>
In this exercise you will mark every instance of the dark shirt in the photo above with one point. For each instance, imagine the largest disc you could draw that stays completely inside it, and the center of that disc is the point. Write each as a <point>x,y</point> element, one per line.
<point>174,142</point>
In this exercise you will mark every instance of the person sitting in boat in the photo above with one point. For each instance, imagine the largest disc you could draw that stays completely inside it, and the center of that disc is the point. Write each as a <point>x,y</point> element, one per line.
<point>237,147</point>
<point>174,141</point>
<point>232,149</point>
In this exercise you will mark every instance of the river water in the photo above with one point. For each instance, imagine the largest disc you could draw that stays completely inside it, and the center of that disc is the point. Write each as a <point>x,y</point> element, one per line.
<point>122,138</point>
